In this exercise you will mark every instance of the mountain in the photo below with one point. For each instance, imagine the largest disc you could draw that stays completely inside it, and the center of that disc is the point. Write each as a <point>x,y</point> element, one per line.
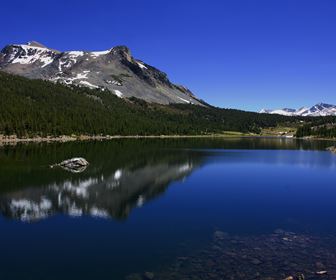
<point>115,70</point>
<point>317,110</point>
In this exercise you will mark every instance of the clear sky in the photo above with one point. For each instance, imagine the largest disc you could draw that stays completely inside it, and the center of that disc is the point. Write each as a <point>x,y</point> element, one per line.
<point>245,54</point>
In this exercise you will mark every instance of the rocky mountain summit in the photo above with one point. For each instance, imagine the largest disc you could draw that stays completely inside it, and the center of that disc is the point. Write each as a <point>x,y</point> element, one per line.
<point>317,110</point>
<point>115,70</point>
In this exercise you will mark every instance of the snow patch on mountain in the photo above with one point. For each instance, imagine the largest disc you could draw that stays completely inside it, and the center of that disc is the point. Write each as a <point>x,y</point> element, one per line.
<point>118,93</point>
<point>27,54</point>
<point>184,100</point>
<point>109,69</point>
<point>75,53</point>
<point>318,110</point>
<point>141,65</point>
<point>86,83</point>
<point>46,60</point>
<point>99,53</point>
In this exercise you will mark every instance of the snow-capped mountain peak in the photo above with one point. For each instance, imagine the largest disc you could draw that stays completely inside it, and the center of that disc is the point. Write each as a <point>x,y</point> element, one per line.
<point>114,69</point>
<point>320,109</point>
<point>27,54</point>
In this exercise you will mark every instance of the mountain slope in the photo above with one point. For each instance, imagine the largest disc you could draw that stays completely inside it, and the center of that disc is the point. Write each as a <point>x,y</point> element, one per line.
<point>317,110</point>
<point>114,69</point>
<point>41,108</point>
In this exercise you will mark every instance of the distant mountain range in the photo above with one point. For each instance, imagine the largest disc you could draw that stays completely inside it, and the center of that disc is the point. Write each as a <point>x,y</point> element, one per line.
<point>114,69</point>
<point>317,110</point>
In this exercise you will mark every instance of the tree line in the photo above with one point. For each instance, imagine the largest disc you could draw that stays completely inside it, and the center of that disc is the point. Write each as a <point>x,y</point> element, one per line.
<point>324,131</point>
<point>31,108</point>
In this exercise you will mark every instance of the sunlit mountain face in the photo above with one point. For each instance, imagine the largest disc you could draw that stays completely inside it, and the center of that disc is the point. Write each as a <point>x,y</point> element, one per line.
<point>115,70</point>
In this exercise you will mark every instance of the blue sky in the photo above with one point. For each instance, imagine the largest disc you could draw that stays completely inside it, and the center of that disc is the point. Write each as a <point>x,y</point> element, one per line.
<point>245,54</point>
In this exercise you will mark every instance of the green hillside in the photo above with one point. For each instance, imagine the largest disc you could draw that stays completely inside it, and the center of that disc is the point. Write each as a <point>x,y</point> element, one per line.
<point>41,108</point>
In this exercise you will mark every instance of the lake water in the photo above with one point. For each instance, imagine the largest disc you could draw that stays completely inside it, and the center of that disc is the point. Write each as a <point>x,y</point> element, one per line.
<point>246,208</point>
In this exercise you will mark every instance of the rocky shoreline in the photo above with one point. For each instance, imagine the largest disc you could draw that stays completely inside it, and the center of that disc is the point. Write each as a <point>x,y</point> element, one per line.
<point>12,140</point>
<point>281,255</point>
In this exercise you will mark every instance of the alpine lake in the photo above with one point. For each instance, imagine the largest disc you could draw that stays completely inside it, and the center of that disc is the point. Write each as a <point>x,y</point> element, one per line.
<point>207,208</point>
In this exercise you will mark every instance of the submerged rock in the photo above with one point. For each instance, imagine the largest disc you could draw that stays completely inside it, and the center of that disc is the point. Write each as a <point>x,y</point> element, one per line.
<point>256,261</point>
<point>149,275</point>
<point>75,165</point>
<point>260,256</point>
<point>301,276</point>
<point>135,276</point>
<point>220,235</point>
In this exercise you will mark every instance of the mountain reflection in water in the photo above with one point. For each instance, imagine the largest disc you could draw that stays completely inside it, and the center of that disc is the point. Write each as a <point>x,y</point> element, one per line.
<point>108,191</point>
<point>123,174</point>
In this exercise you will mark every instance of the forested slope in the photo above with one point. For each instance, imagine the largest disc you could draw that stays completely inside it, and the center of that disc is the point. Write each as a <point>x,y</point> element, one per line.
<point>41,108</point>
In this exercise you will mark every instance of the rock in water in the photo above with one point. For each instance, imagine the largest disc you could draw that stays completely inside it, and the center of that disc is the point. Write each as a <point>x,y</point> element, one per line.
<point>75,165</point>
<point>332,149</point>
<point>74,162</point>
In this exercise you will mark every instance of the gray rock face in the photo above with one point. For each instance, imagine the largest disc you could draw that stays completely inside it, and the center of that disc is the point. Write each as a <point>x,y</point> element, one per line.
<point>114,70</point>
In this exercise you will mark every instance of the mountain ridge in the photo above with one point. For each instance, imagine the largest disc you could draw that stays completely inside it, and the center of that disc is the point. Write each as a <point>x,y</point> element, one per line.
<point>114,69</point>
<point>317,110</point>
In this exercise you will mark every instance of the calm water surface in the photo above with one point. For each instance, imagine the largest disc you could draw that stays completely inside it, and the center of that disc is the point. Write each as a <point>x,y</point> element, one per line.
<point>141,205</point>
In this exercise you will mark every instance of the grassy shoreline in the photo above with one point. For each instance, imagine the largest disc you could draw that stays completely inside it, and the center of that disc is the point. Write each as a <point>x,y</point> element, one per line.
<point>12,140</point>
<point>65,138</point>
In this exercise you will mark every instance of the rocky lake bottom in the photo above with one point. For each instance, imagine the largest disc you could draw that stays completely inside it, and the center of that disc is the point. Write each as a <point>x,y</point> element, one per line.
<point>280,255</point>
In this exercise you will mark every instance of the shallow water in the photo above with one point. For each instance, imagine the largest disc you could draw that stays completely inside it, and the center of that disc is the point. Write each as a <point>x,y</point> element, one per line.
<point>145,205</point>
